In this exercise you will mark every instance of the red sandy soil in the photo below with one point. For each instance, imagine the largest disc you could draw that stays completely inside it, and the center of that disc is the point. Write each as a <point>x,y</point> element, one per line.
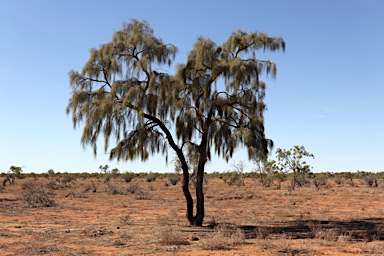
<point>148,218</point>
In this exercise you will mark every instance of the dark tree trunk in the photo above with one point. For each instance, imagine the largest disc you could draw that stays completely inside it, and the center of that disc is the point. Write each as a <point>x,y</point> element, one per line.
<point>184,166</point>
<point>187,195</point>
<point>199,218</point>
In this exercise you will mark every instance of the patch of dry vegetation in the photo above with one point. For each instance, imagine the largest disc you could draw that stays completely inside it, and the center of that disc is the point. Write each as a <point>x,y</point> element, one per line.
<point>95,217</point>
<point>223,237</point>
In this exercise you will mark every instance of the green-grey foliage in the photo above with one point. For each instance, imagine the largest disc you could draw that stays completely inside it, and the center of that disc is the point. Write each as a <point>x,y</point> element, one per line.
<point>119,88</point>
<point>215,101</point>
<point>229,115</point>
<point>292,161</point>
<point>16,171</point>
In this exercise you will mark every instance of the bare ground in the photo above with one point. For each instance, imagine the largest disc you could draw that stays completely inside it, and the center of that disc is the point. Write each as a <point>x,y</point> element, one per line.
<point>148,218</point>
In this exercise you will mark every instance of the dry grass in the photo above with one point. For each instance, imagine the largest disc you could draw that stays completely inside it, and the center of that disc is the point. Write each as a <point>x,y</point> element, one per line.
<point>35,195</point>
<point>92,217</point>
<point>223,237</point>
<point>169,236</point>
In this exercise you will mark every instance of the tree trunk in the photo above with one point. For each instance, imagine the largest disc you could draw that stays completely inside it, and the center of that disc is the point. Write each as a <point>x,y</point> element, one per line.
<point>184,166</point>
<point>188,197</point>
<point>199,218</point>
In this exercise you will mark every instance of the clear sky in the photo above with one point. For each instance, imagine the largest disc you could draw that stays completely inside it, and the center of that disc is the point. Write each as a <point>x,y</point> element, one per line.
<point>328,94</point>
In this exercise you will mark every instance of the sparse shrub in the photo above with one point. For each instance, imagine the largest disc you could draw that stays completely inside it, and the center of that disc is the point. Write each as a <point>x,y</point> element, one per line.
<point>339,181</point>
<point>34,176</point>
<point>151,177</point>
<point>370,179</point>
<point>75,195</point>
<point>212,222</point>
<point>280,177</point>
<point>67,178</point>
<point>10,179</point>
<point>53,185</point>
<point>291,161</point>
<point>142,194</point>
<point>128,176</point>
<point>174,179</point>
<point>35,195</point>
<point>269,173</point>
<point>193,180</point>
<point>319,232</point>
<point>223,237</point>
<point>235,179</point>
<point>92,187</point>
<point>125,220</point>
<point>107,178</point>
<point>349,179</point>
<point>133,188</point>
<point>225,176</point>
<point>262,232</point>
<point>238,174</point>
<point>114,190</point>
<point>168,236</point>
<point>320,181</point>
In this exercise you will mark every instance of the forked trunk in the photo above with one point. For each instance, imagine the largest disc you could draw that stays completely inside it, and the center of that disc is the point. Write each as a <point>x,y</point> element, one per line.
<point>184,167</point>
<point>198,219</point>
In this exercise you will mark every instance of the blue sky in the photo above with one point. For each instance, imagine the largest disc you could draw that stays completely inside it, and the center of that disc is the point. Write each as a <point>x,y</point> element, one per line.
<point>328,94</point>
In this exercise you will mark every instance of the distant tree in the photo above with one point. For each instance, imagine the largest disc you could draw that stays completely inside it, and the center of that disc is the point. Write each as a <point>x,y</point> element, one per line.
<point>16,171</point>
<point>292,161</point>
<point>123,92</point>
<point>115,172</point>
<point>239,171</point>
<point>104,169</point>
<point>51,172</point>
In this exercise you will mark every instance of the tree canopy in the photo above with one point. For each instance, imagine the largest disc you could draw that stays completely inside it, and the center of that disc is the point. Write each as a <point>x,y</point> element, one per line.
<point>214,101</point>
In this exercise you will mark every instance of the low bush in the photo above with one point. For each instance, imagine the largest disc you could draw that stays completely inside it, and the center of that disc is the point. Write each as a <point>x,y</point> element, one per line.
<point>151,177</point>
<point>114,190</point>
<point>128,176</point>
<point>320,181</point>
<point>36,196</point>
<point>133,188</point>
<point>168,236</point>
<point>223,237</point>
<point>174,179</point>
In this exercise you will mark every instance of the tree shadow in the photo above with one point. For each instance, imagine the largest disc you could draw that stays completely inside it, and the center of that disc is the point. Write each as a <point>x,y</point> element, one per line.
<point>363,230</point>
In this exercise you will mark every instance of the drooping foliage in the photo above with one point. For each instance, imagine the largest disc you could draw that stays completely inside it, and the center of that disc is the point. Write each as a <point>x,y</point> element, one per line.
<point>222,95</point>
<point>119,85</point>
<point>215,101</point>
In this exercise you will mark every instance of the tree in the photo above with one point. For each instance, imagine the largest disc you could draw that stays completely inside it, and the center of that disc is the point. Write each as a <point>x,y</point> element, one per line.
<point>115,172</point>
<point>292,161</point>
<point>239,171</point>
<point>16,171</point>
<point>104,169</point>
<point>51,172</point>
<point>123,92</point>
